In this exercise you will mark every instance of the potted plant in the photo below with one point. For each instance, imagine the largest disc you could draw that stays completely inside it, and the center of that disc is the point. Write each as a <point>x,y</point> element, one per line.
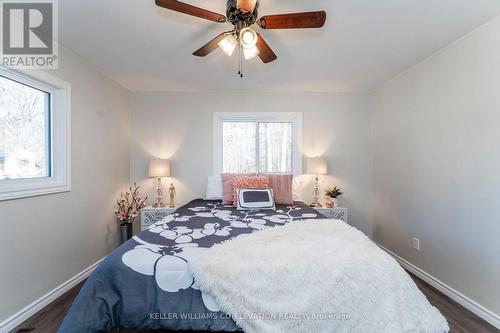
<point>128,208</point>
<point>332,195</point>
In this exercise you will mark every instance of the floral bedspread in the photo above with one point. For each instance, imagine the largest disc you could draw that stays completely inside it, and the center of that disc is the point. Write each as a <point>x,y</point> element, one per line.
<point>146,283</point>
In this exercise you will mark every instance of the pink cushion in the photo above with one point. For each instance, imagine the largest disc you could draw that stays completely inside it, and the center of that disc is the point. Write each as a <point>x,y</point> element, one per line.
<point>227,186</point>
<point>251,183</point>
<point>282,186</point>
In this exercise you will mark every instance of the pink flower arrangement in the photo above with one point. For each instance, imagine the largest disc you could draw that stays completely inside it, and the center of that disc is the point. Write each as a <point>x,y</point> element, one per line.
<point>129,205</point>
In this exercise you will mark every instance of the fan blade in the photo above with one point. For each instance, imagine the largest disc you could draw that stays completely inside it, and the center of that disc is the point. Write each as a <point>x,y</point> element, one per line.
<point>191,10</point>
<point>247,6</point>
<point>293,21</point>
<point>266,54</point>
<point>210,46</point>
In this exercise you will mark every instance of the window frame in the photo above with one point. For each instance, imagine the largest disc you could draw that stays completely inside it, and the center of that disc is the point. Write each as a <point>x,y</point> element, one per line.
<point>59,162</point>
<point>295,118</point>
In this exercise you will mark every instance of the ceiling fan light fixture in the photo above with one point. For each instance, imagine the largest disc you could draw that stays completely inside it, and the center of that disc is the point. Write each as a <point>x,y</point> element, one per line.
<point>228,45</point>
<point>250,52</point>
<point>243,14</point>
<point>248,38</point>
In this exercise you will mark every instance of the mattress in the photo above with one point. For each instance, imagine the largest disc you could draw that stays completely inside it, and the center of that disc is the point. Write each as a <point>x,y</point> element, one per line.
<point>146,283</point>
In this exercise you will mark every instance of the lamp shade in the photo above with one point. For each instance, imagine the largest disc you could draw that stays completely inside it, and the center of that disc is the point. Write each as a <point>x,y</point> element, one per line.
<point>317,166</point>
<point>159,168</point>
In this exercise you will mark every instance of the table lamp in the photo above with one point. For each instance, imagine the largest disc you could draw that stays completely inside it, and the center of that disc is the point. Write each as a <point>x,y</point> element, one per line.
<point>317,166</point>
<point>159,168</point>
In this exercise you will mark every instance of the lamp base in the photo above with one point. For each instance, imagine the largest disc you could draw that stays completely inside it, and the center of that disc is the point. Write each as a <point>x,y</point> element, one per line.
<point>159,196</point>
<point>316,203</point>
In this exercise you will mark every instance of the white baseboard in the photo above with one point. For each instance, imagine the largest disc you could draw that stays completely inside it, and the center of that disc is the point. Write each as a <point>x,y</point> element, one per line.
<point>458,297</point>
<point>21,316</point>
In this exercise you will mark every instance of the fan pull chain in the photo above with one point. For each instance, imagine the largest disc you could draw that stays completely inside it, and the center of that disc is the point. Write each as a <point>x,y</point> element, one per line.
<point>241,61</point>
<point>240,71</point>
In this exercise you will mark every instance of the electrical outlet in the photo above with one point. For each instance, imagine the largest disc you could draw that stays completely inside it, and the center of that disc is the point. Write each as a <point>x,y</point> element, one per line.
<point>416,244</point>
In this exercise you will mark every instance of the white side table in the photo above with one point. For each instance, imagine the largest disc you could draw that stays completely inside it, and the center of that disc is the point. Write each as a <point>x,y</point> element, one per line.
<point>151,215</point>
<point>337,213</point>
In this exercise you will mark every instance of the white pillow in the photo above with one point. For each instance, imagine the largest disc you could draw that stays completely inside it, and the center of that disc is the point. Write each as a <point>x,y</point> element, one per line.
<point>214,188</point>
<point>256,199</point>
<point>295,189</point>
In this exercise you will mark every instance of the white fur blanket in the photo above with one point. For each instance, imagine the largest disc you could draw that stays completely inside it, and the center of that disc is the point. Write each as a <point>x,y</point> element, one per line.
<point>313,276</point>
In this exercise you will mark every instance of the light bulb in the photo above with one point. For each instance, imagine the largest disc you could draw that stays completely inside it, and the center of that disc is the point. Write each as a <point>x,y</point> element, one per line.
<point>248,38</point>
<point>250,52</point>
<point>228,45</point>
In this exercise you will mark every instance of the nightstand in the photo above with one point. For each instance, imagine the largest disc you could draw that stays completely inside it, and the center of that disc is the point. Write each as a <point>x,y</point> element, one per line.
<point>337,213</point>
<point>151,215</point>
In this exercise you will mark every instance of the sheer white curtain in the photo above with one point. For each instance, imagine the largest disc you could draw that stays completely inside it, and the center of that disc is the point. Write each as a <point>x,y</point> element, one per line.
<point>275,147</point>
<point>239,147</point>
<point>250,147</point>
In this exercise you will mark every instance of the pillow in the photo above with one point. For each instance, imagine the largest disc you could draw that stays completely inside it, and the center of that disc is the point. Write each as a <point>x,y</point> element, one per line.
<point>227,186</point>
<point>249,199</point>
<point>282,186</point>
<point>295,190</point>
<point>245,182</point>
<point>214,188</point>
<point>297,197</point>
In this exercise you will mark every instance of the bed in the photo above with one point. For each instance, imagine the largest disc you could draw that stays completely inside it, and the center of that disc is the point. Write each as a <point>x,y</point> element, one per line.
<point>146,284</point>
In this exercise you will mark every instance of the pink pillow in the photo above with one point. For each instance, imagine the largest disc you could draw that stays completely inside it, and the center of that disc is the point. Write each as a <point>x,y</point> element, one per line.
<point>282,186</point>
<point>250,183</point>
<point>227,186</point>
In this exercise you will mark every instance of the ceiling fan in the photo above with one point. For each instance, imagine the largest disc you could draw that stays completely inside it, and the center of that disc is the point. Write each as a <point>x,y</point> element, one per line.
<point>243,14</point>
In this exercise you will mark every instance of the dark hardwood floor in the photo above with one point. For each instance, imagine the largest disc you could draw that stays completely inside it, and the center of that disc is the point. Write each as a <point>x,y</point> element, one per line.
<point>460,319</point>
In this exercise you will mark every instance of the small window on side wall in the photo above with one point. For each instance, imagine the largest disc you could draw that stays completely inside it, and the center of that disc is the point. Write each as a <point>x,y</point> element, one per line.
<point>34,134</point>
<point>257,142</point>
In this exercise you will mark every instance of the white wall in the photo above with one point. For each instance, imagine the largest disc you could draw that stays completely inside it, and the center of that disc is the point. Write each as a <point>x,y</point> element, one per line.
<point>44,241</point>
<point>437,165</point>
<point>178,126</point>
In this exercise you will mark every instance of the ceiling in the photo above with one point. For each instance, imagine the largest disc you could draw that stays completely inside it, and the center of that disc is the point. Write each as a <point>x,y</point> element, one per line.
<point>363,44</point>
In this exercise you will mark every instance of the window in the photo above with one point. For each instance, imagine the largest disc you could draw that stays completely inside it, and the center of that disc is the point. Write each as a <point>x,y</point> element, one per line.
<point>257,143</point>
<point>24,131</point>
<point>34,134</point>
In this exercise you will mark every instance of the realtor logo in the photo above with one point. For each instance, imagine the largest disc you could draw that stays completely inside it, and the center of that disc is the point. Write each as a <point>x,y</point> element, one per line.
<point>29,34</point>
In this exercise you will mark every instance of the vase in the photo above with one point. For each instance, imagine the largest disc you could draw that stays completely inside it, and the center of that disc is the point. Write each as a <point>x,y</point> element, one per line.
<point>126,231</point>
<point>329,202</point>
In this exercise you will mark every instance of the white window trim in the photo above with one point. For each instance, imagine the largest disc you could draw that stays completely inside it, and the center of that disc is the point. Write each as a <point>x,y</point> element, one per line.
<point>293,117</point>
<point>60,124</point>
